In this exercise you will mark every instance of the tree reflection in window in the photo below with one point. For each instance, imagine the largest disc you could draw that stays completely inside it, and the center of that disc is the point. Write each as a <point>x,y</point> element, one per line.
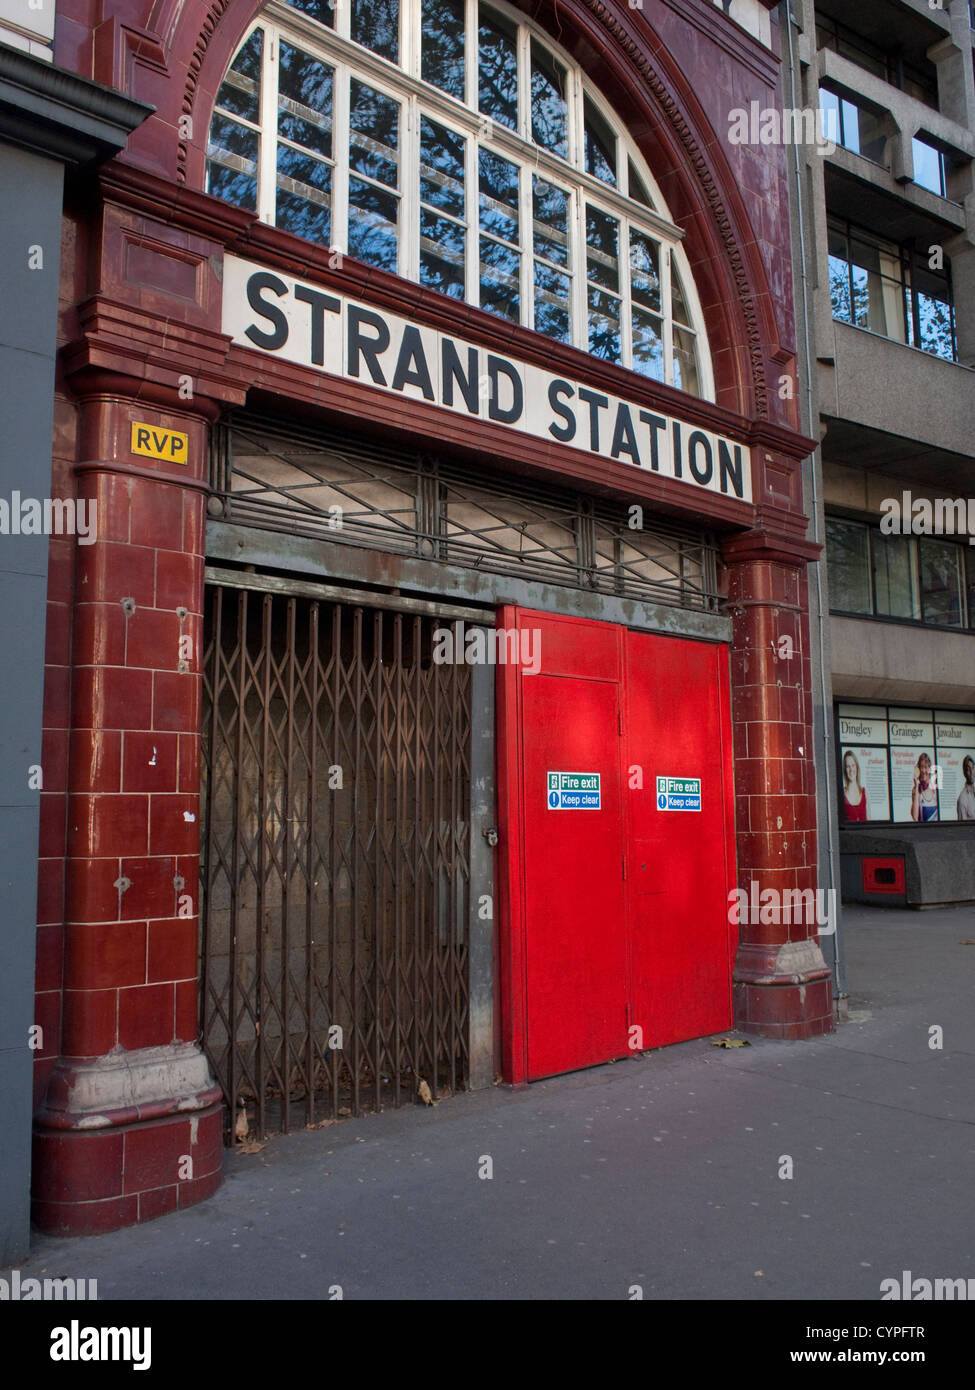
<point>410,172</point>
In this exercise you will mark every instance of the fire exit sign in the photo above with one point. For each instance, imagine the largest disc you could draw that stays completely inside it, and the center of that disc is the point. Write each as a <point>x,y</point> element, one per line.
<point>573,791</point>
<point>678,793</point>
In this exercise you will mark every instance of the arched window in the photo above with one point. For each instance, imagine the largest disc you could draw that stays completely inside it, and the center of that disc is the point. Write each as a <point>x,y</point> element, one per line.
<point>451,142</point>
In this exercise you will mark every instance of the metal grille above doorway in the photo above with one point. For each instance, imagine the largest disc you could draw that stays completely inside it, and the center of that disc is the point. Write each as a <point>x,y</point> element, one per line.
<point>326,485</point>
<point>336,856</point>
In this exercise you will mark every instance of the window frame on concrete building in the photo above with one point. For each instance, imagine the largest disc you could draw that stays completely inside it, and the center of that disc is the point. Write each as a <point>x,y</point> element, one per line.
<point>904,270</point>
<point>920,551</point>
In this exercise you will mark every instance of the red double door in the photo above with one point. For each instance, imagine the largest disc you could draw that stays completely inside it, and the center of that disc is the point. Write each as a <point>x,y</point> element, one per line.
<point>615,932</point>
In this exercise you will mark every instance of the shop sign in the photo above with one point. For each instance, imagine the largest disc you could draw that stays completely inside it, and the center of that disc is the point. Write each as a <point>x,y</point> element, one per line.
<point>331,333</point>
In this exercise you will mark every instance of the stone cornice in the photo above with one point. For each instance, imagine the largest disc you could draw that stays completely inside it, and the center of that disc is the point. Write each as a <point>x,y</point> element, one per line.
<point>54,112</point>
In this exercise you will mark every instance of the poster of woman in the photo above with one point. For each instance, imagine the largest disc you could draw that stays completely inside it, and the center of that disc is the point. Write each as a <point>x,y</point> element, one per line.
<point>864,783</point>
<point>924,791</point>
<point>909,768</point>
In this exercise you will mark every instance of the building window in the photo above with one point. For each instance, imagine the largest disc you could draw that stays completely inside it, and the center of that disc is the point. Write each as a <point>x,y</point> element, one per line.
<point>448,141</point>
<point>917,579</point>
<point>932,168</point>
<point>854,127</point>
<point>919,82</point>
<point>890,290</point>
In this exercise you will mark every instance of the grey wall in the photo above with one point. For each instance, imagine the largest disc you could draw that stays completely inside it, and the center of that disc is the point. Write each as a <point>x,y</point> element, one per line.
<point>27,340</point>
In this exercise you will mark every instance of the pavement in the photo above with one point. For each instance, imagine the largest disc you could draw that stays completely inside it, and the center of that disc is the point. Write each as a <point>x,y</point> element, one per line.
<point>666,1172</point>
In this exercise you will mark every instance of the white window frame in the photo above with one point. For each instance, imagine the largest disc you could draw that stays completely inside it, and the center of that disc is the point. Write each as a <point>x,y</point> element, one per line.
<point>401,82</point>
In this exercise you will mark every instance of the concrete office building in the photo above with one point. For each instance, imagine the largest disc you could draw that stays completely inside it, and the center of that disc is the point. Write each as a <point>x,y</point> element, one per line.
<point>884,253</point>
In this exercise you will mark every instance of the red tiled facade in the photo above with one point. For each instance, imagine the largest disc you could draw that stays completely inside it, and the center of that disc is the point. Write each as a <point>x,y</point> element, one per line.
<point>141,298</point>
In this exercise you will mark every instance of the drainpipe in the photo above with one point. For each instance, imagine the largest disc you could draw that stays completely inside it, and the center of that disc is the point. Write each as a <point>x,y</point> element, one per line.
<point>839,981</point>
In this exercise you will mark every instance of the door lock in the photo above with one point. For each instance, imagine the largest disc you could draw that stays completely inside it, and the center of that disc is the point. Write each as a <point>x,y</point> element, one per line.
<point>491,835</point>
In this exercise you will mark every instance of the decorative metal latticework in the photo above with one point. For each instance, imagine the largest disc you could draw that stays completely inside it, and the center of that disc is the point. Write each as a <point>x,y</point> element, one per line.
<point>359,493</point>
<point>336,857</point>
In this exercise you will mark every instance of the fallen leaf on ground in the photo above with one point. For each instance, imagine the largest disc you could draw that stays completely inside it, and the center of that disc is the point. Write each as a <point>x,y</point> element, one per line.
<point>251,1148</point>
<point>731,1042</point>
<point>423,1091</point>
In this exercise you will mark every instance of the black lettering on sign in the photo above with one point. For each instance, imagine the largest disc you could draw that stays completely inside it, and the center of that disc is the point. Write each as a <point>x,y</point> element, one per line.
<point>142,438</point>
<point>452,371</point>
<point>360,345</point>
<point>731,470</point>
<point>557,389</point>
<point>596,403</point>
<point>411,365</point>
<point>702,472</point>
<point>678,460</point>
<point>507,415</point>
<point>624,440</point>
<point>656,423</point>
<point>257,283</point>
<point>320,305</point>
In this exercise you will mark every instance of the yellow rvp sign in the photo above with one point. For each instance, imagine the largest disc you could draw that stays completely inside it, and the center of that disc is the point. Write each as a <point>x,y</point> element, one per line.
<point>169,445</point>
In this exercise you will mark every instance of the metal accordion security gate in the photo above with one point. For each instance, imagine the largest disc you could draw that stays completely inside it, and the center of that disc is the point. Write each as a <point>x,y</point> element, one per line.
<point>335,865</point>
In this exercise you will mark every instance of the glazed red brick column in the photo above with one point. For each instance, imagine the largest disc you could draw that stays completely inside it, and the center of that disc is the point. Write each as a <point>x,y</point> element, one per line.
<point>782,984</point>
<point>131,1125</point>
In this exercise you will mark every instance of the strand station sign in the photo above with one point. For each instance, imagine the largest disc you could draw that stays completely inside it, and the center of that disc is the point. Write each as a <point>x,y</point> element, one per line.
<point>288,318</point>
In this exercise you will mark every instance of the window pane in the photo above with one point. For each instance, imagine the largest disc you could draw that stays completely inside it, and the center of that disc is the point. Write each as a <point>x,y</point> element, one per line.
<point>680,310</point>
<point>893,576</point>
<point>305,100</point>
<point>240,90</point>
<point>645,270</point>
<point>442,45</point>
<point>872,141</point>
<point>304,187</point>
<point>928,168</point>
<point>970,562</point>
<point>878,297</point>
<point>497,70</point>
<point>848,566</point>
<point>550,127</point>
<point>941,582</point>
<point>375,24</point>
<point>372,224</point>
<point>638,189</point>
<point>686,377</point>
<point>232,163</point>
<point>839,276</point>
<point>374,134</point>
<point>441,167</point>
<point>648,345</point>
<point>322,10</point>
<point>500,284</point>
<point>850,126</point>
<point>552,302</point>
<point>550,210</point>
<point>232,185</point>
<point>829,117</point>
<point>600,146</point>
<point>498,195</point>
<point>937,335</point>
<point>441,254</point>
<point>605,339</point>
<point>602,248</point>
